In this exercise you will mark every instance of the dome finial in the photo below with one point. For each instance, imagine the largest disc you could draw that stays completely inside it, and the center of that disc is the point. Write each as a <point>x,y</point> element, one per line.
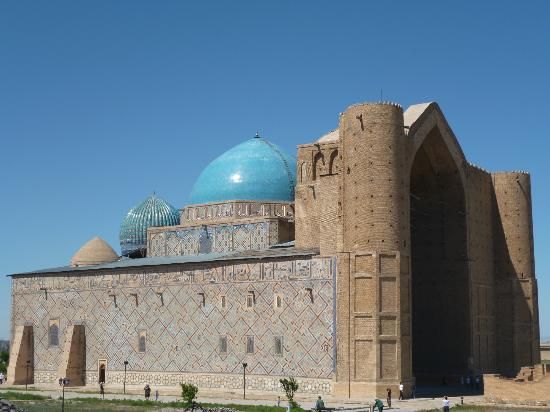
<point>257,135</point>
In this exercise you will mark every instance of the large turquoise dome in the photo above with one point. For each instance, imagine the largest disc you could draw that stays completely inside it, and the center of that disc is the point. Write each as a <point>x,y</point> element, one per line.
<point>253,170</point>
<point>152,212</point>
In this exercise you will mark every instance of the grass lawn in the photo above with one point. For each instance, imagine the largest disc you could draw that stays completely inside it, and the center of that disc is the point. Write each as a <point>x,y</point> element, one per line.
<point>11,395</point>
<point>36,403</point>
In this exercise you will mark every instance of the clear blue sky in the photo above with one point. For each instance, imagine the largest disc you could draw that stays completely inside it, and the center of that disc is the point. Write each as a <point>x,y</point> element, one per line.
<point>104,102</point>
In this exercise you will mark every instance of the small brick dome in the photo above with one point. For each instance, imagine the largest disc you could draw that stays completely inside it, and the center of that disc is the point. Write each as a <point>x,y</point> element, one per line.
<point>94,252</point>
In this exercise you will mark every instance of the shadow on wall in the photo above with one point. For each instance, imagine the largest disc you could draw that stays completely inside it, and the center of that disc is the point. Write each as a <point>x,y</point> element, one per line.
<point>516,331</point>
<point>439,261</point>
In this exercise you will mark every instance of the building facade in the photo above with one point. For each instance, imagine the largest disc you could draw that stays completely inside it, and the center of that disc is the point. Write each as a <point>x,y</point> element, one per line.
<point>343,268</point>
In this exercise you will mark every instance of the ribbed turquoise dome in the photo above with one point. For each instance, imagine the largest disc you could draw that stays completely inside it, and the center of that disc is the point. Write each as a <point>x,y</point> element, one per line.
<point>152,212</point>
<point>253,170</point>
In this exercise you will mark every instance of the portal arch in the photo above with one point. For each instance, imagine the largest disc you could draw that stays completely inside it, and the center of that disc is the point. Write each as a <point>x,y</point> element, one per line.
<point>439,256</point>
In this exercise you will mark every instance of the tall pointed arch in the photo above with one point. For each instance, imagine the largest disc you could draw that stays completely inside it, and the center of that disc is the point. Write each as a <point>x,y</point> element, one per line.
<point>439,252</point>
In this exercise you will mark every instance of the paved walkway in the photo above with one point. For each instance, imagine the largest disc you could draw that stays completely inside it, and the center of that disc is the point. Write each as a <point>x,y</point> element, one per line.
<point>169,395</point>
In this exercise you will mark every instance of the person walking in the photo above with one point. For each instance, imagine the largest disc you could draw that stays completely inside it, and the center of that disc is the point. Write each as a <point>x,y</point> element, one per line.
<point>413,391</point>
<point>102,390</point>
<point>147,390</point>
<point>388,398</point>
<point>156,394</point>
<point>446,404</point>
<point>401,387</point>
<point>319,405</point>
<point>2,377</point>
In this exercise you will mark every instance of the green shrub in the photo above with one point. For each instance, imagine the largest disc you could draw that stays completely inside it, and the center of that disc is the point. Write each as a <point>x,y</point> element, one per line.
<point>21,396</point>
<point>290,386</point>
<point>189,394</point>
<point>4,360</point>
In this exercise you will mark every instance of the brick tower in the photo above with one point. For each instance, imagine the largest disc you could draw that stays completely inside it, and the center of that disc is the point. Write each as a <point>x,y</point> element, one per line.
<point>374,258</point>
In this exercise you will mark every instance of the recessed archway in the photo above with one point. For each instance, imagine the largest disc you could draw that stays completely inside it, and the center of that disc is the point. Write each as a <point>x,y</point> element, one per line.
<point>102,371</point>
<point>440,281</point>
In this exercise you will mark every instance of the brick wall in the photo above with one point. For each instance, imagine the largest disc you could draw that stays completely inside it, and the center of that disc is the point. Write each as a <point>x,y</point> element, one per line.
<point>179,308</point>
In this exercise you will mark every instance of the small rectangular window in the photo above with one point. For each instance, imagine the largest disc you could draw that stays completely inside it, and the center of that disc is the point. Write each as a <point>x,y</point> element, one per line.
<point>278,345</point>
<point>250,300</point>
<point>250,344</point>
<point>223,344</point>
<point>53,332</point>
<point>142,341</point>
<point>222,302</point>
<point>278,301</point>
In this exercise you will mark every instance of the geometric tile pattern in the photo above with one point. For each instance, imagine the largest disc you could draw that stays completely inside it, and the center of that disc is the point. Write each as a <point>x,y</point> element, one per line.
<point>178,307</point>
<point>218,238</point>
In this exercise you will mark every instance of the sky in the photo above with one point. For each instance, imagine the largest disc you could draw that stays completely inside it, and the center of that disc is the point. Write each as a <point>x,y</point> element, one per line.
<point>104,102</point>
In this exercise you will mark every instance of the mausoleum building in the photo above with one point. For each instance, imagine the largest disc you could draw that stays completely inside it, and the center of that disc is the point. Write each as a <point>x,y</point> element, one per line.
<point>343,267</point>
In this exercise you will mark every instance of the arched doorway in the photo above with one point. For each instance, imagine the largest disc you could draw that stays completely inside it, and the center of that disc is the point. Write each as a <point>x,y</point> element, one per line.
<point>102,372</point>
<point>440,281</point>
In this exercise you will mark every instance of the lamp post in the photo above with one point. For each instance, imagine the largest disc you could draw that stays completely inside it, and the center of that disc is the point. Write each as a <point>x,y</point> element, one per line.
<point>244,380</point>
<point>27,374</point>
<point>124,383</point>
<point>63,382</point>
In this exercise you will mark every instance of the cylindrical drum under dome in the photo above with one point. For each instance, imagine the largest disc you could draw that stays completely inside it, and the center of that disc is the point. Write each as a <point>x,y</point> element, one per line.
<point>152,212</point>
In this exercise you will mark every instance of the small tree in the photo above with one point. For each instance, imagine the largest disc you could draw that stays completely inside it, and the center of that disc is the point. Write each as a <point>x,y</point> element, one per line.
<point>189,394</point>
<point>290,386</point>
<point>4,360</point>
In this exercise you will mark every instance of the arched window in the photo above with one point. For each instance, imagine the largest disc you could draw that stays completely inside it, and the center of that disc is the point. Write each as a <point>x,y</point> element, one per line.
<point>318,165</point>
<point>141,343</point>
<point>53,333</point>
<point>334,163</point>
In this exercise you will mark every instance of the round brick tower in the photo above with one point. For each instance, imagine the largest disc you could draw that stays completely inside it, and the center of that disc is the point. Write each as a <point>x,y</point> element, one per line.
<point>515,272</point>
<point>375,206</point>
<point>374,265</point>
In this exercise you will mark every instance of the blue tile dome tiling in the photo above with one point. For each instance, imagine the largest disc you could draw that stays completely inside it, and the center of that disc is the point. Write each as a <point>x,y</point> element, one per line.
<point>253,170</point>
<point>152,212</point>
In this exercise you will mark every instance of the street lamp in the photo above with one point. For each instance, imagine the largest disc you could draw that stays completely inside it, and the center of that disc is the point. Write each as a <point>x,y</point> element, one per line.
<point>27,375</point>
<point>244,380</point>
<point>124,383</point>
<point>63,382</point>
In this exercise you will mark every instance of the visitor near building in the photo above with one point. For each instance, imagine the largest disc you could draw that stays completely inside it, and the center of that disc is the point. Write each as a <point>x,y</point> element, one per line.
<point>379,405</point>
<point>102,390</point>
<point>147,390</point>
<point>319,405</point>
<point>156,394</point>
<point>446,404</point>
<point>1,378</point>
<point>388,398</point>
<point>401,387</point>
